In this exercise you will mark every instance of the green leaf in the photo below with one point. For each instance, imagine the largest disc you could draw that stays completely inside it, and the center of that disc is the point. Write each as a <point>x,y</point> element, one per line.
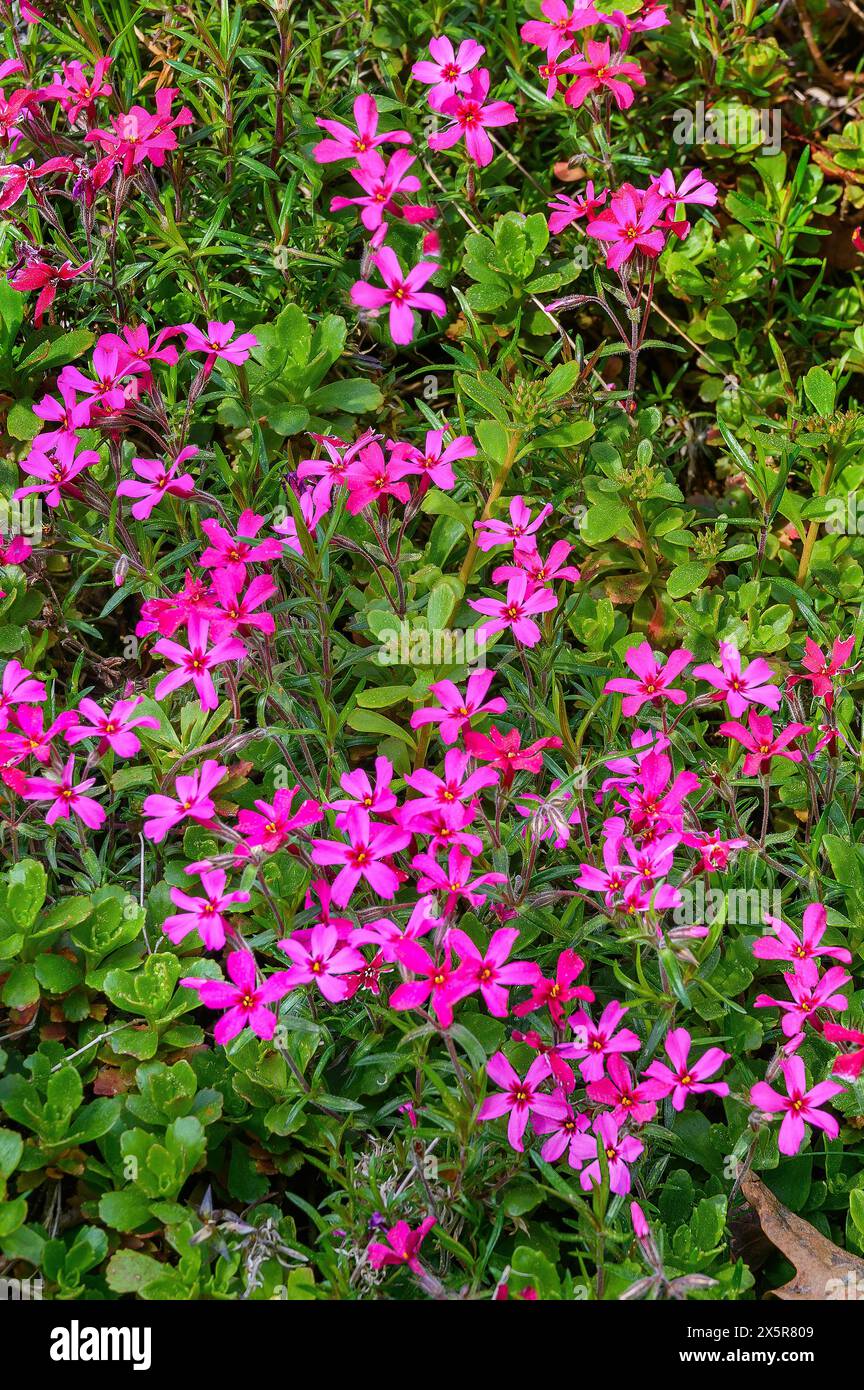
<point>820,391</point>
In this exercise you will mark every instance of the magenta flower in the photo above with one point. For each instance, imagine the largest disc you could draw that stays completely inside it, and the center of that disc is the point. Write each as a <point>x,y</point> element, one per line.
<point>448,72</point>
<point>244,1001</point>
<point>595,1042</point>
<point>370,477</point>
<point>565,209</point>
<point>799,1106</point>
<point>18,687</point>
<point>619,1153</point>
<point>47,279</point>
<point>138,134</point>
<point>31,739</point>
<point>196,662</point>
<point>362,857</point>
<point>596,71</point>
<point>234,610</point>
<point>846,1063</point>
<point>554,993</point>
<point>471,115</point>
<point>218,343</point>
<point>114,729</point>
<point>271,825</point>
<point>562,1131</point>
<point>519,1098</point>
<point>515,611</point>
<point>402,1246</point>
<point>192,801</point>
<point>785,945</point>
<point>345,143</point>
<point>561,26</point>
<point>634,1101</point>
<point>630,224</point>
<point>654,682</point>
<point>403,292</point>
<point>75,91</point>
<point>158,480</point>
<point>714,851</point>
<point>687,1078</point>
<point>528,559</point>
<point>761,743</point>
<point>693,189</point>
<point>455,880</point>
<point>57,472</point>
<point>435,464</point>
<point>320,961</point>
<point>17,178</point>
<point>66,796</point>
<point>234,553</point>
<point>652,803</point>
<point>490,972</point>
<point>378,800</point>
<point>809,993</point>
<point>106,386</point>
<point>206,915</point>
<point>381,182</point>
<point>451,789</point>
<point>740,688</point>
<point>457,710</point>
<point>436,980</point>
<point>515,531</point>
<point>821,669</point>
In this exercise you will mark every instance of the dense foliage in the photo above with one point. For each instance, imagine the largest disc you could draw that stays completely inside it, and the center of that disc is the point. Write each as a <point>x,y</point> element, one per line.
<point>431,752</point>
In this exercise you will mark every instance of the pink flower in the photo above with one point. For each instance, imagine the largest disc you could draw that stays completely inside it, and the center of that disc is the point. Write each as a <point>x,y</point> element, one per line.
<point>846,1063</point>
<point>18,688</point>
<point>595,1042</point>
<point>565,209</point>
<point>799,1106</point>
<point>403,292</point>
<point>192,801</point>
<point>515,611</point>
<point>368,845</point>
<point>652,807</point>
<point>528,559</point>
<point>218,342</point>
<point>687,1078</point>
<point>57,472</point>
<point>19,177</point>
<point>634,1101</point>
<point>506,751</point>
<point>714,851</point>
<point>346,143</point>
<point>437,979</point>
<point>31,739</point>
<point>822,669</point>
<point>457,710</point>
<point>519,1098</point>
<point>630,225</point>
<point>75,91</point>
<point>471,116</point>
<point>654,683</point>
<point>596,70</point>
<point>234,553</point>
<point>321,962</point>
<point>159,480</point>
<point>381,183</point>
<point>113,730</point>
<point>448,72</point>
<point>244,1001</point>
<point>270,826</point>
<point>490,973</point>
<point>402,1246</point>
<point>137,134</point>
<point>740,688</point>
<point>370,478</point>
<point>619,1153</point>
<point>562,26</point>
<point>235,611</point>
<point>456,880</point>
<point>517,530</point>
<point>66,797</point>
<point>693,188</point>
<point>785,945</point>
<point>556,992</point>
<point>563,1130</point>
<point>451,789</point>
<point>389,936</point>
<point>809,993</point>
<point>435,464</point>
<point>106,386</point>
<point>205,915</point>
<point>47,279</point>
<point>761,743</point>
<point>196,662</point>
<point>135,350</point>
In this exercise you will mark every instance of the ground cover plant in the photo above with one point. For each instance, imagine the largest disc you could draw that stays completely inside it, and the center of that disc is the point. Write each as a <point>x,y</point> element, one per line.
<point>430,638</point>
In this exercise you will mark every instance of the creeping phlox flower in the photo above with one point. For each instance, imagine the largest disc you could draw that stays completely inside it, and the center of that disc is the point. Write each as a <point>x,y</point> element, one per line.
<point>799,1107</point>
<point>629,221</point>
<point>811,994</point>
